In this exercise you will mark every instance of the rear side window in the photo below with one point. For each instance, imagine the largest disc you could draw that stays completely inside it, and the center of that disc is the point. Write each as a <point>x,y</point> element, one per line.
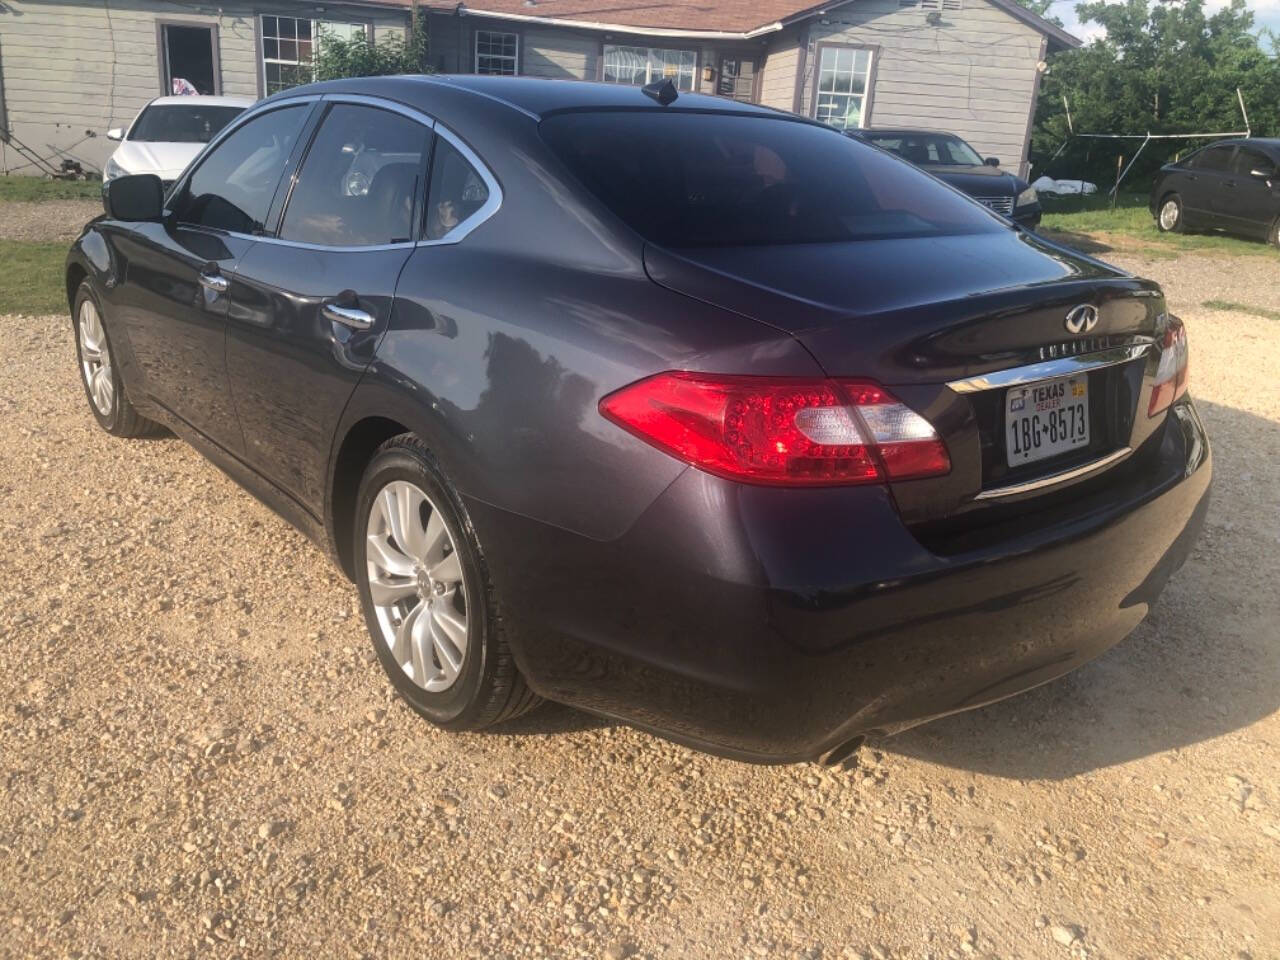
<point>457,191</point>
<point>359,183</point>
<point>712,180</point>
<point>233,187</point>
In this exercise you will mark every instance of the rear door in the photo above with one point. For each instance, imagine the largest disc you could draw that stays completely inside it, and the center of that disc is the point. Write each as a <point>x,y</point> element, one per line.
<point>1251,192</point>
<point>181,272</point>
<point>312,301</point>
<point>1208,171</point>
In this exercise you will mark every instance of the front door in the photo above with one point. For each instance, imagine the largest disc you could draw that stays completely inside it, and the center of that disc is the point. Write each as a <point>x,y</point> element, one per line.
<point>311,303</point>
<point>182,273</point>
<point>1249,199</point>
<point>189,60</point>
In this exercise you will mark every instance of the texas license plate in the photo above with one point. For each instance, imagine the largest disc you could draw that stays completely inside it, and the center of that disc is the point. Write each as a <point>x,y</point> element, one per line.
<point>1046,419</point>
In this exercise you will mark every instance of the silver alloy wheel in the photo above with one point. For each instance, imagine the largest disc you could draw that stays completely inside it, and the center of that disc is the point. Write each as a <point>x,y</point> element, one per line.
<point>95,359</point>
<point>1169,214</point>
<point>415,581</point>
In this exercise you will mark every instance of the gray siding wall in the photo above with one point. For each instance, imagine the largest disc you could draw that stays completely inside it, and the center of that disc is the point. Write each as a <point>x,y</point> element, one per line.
<point>74,69</point>
<point>778,75</point>
<point>974,75</point>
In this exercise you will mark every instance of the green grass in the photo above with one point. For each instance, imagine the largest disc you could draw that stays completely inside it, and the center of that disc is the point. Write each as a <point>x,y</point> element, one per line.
<point>1265,312</point>
<point>1090,224</point>
<point>31,277</point>
<point>37,189</point>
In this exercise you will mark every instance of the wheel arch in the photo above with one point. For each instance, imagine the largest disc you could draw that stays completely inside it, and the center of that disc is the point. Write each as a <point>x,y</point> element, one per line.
<point>353,454</point>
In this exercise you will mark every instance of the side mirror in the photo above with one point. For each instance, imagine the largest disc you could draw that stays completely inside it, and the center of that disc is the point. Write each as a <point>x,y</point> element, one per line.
<point>116,133</point>
<point>138,198</point>
<point>992,161</point>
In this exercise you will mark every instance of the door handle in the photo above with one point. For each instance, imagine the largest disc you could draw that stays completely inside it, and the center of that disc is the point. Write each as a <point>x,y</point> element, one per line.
<point>215,282</point>
<point>351,317</point>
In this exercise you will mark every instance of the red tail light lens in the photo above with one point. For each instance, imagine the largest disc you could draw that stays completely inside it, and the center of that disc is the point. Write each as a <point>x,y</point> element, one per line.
<point>780,431</point>
<point>1172,376</point>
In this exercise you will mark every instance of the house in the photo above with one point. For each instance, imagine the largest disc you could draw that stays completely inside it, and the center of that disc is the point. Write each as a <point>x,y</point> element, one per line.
<point>70,69</point>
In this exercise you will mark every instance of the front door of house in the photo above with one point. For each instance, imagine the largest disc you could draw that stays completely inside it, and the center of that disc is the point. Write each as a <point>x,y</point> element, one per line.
<point>189,59</point>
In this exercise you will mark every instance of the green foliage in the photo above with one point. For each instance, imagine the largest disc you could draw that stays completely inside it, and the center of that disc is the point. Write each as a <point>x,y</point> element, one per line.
<point>337,57</point>
<point>1165,67</point>
<point>15,187</point>
<point>31,277</point>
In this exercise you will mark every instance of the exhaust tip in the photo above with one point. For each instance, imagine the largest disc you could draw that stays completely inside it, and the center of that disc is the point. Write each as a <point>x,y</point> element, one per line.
<point>839,755</point>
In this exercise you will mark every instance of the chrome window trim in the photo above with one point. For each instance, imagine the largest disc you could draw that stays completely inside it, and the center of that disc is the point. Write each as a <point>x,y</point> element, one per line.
<point>487,209</point>
<point>1035,486</point>
<point>1049,369</point>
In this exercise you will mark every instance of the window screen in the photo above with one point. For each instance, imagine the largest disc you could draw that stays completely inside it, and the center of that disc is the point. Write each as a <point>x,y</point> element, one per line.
<point>359,181</point>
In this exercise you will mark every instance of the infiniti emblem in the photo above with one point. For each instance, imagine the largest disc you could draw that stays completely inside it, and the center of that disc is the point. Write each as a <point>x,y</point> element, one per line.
<point>1082,319</point>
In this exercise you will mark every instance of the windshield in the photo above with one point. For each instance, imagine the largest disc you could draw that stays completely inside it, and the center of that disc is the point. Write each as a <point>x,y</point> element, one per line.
<point>179,123</point>
<point>931,149</point>
<point>688,180</point>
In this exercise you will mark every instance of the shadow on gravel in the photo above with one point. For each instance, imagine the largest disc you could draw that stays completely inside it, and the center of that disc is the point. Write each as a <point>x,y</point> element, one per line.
<point>549,720</point>
<point>1205,663</point>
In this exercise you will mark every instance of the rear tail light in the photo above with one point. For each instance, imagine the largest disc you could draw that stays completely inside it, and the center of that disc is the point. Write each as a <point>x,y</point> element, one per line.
<point>780,431</point>
<point>1172,374</point>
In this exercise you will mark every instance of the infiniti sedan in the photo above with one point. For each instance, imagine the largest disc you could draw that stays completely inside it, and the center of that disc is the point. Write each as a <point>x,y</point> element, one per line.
<point>952,160</point>
<point>681,411</point>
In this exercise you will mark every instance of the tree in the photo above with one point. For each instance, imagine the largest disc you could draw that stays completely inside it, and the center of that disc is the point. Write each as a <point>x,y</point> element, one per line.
<point>338,57</point>
<point>1165,67</point>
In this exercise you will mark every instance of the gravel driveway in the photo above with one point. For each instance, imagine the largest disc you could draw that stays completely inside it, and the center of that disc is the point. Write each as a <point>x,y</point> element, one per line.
<point>198,754</point>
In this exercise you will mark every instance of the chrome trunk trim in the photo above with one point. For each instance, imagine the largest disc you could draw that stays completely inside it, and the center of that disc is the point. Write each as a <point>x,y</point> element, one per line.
<point>1035,486</point>
<point>1051,369</point>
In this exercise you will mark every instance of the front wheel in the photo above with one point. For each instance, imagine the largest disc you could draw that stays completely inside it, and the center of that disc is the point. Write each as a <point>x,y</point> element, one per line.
<point>426,594</point>
<point>100,376</point>
<point>1169,217</point>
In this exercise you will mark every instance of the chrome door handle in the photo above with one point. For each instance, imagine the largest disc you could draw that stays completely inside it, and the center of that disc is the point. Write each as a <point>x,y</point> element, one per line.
<point>215,282</point>
<point>347,316</point>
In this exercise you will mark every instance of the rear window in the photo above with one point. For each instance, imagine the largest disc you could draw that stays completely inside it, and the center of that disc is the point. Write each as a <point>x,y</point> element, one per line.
<point>686,180</point>
<point>180,123</point>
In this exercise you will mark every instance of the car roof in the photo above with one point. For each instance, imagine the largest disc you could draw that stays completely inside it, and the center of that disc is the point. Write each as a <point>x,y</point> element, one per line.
<point>201,100</point>
<point>535,97</point>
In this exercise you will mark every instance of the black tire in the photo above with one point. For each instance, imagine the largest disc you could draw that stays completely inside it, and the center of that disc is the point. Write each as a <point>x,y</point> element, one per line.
<point>1273,235</point>
<point>120,419</point>
<point>489,688</point>
<point>1179,219</point>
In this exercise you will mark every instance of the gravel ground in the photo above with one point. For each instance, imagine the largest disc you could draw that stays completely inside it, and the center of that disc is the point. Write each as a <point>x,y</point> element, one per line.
<point>199,755</point>
<point>46,220</point>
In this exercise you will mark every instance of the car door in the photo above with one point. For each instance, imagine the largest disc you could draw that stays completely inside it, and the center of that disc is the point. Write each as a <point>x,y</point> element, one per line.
<point>1251,192</point>
<point>1202,197</point>
<point>180,272</point>
<point>311,302</point>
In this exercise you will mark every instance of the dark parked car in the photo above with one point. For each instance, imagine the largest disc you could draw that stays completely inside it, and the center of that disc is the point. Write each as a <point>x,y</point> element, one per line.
<point>694,415</point>
<point>952,160</point>
<point>1232,185</point>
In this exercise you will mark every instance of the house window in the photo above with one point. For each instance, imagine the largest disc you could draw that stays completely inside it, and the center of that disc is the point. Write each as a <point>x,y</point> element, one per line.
<point>843,77</point>
<point>497,53</point>
<point>288,48</point>
<point>644,65</point>
<point>737,79</point>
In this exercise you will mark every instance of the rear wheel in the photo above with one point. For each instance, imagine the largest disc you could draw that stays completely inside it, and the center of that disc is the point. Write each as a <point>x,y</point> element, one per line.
<point>1273,235</point>
<point>426,594</point>
<point>100,376</point>
<point>1169,215</point>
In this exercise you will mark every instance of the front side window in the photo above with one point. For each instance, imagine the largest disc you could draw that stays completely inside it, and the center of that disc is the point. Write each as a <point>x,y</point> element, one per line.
<point>457,191</point>
<point>233,187</point>
<point>360,180</point>
<point>686,180</point>
<point>844,75</point>
<point>179,123</point>
<point>289,46</point>
<point>497,53</point>
<point>640,66</point>
<point>1247,160</point>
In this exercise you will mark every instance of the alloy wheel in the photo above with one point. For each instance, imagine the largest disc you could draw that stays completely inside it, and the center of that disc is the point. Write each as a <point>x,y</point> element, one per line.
<point>415,582</point>
<point>1169,214</point>
<point>95,359</point>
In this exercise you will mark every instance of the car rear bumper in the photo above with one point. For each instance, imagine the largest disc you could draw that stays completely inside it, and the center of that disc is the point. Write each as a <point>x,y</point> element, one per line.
<point>775,625</point>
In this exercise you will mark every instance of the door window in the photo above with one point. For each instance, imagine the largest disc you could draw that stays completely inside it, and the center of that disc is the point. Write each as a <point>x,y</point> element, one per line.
<point>1214,158</point>
<point>458,191</point>
<point>1248,160</point>
<point>233,187</point>
<point>359,182</point>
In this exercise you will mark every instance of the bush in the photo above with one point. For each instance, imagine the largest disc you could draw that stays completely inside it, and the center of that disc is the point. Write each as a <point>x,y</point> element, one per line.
<point>337,57</point>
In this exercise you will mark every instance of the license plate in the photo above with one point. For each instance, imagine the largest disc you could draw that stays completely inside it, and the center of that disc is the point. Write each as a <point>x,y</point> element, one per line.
<point>1046,419</point>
